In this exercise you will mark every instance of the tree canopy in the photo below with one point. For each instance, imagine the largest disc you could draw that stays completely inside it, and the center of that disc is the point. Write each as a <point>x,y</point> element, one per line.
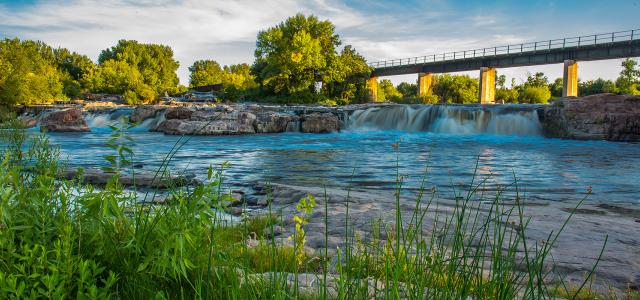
<point>29,73</point>
<point>292,56</point>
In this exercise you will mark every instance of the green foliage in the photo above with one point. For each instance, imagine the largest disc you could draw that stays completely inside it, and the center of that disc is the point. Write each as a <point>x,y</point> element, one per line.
<point>535,95</point>
<point>118,77</point>
<point>455,88</point>
<point>387,91</point>
<point>535,90</point>
<point>29,75</point>
<point>304,209</point>
<point>351,71</point>
<point>407,90</point>
<point>629,78</point>
<point>556,88</point>
<point>205,72</point>
<point>292,56</point>
<point>139,72</point>
<point>592,87</point>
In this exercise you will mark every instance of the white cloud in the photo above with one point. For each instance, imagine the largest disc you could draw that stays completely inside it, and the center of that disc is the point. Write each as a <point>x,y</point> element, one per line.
<point>226,30</point>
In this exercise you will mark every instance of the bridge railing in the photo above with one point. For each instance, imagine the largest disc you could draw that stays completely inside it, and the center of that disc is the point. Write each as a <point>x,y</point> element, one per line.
<point>572,42</point>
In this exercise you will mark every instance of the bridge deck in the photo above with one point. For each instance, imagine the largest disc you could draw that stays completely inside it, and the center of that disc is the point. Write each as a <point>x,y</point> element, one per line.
<point>586,48</point>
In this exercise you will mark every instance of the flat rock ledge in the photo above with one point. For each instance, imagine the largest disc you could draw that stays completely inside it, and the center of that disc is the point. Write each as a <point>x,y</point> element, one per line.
<point>597,117</point>
<point>143,179</point>
<point>250,119</point>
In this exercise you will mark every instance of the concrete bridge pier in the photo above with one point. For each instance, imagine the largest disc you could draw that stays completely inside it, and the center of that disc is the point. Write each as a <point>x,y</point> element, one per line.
<point>424,84</point>
<point>372,88</point>
<point>487,89</point>
<point>570,79</point>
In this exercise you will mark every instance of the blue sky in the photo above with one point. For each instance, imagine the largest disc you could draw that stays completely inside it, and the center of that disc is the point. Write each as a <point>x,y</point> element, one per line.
<point>226,30</point>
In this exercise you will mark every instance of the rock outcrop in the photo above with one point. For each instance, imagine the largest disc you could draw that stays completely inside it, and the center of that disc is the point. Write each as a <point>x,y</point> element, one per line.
<point>68,120</point>
<point>320,123</point>
<point>144,112</point>
<point>226,120</point>
<point>597,117</point>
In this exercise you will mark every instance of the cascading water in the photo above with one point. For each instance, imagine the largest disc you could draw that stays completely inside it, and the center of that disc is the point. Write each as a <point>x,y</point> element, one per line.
<point>497,119</point>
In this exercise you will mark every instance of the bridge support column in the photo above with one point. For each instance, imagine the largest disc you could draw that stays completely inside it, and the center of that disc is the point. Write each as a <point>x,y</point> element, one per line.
<point>372,88</point>
<point>570,79</point>
<point>487,89</point>
<point>424,84</point>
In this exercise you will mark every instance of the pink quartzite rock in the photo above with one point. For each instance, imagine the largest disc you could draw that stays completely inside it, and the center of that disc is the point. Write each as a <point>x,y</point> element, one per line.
<point>597,117</point>
<point>68,120</point>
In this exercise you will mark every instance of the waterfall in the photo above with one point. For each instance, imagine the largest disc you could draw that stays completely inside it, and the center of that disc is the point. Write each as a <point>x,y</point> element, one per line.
<point>452,119</point>
<point>103,119</point>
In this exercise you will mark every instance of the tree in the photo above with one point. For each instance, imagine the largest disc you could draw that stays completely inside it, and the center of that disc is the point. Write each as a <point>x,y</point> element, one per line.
<point>347,84</point>
<point>28,75</point>
<point>456,88</point>
<point>535,95</point>
<point>154,62</point>
<point>629,78</point>
<point>292,56</point>
<point>205,72</point>
<point>598,86</point>
<point>387,91</point>
<point>408,90</point>
<point>556,88</point>
<point>118,77</point>
<point>535,89</point>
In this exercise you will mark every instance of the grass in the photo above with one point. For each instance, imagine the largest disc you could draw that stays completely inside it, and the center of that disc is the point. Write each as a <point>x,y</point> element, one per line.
<point>65,239</point>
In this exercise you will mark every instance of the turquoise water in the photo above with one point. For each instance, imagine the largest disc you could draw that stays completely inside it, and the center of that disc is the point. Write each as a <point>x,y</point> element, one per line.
<point>547,169</point>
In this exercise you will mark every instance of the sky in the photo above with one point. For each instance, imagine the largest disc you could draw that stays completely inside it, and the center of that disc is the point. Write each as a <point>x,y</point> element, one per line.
<point>226,30</point>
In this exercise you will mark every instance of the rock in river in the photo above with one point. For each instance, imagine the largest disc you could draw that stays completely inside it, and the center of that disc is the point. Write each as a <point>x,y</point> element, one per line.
<point>320,123</point>
<point>68,120</point>
<point>597,117</point>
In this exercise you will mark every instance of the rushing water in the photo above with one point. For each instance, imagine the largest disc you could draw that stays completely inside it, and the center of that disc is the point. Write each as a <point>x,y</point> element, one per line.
<point>503,141</point>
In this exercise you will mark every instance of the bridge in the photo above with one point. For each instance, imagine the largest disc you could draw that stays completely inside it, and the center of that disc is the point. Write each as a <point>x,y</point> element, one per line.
<point>569,51</point>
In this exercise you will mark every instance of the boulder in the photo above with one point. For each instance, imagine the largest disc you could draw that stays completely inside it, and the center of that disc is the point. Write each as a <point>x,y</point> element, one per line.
<point>597,117</point>
<point>68,120</point>
<point>144,112</point>
<point>179,113</point>
<point>320,123</point>
<point>210,123</point>
<point>274,122</point>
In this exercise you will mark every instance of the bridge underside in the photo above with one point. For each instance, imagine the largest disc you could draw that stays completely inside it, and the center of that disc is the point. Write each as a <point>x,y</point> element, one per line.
<point>488,64</point>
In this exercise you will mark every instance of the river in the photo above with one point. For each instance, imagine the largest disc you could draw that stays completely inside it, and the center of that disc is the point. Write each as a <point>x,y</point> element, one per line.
<point>439,144</point>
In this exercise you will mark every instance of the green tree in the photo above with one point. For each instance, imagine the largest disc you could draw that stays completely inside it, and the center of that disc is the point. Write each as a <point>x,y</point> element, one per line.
<point>535,95</point>
<point>154,62</point>
<point>629,78</point>
<point>535,89</point>
<point>206,72</point>
<point>118,77</point>
<point>387,91</point>
<point>598,86</point>
<point>348,81</point>
<point>556,88</point>
<point>28,75</point>
<point>456,88</point>
<point>408,90</point>
<point>292,56</point>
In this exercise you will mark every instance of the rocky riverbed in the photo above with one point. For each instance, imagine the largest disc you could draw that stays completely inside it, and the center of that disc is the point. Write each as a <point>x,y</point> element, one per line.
<point>573,256</point>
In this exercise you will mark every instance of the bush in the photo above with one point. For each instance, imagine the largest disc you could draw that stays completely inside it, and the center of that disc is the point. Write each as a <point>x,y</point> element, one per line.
<point>535,95</point>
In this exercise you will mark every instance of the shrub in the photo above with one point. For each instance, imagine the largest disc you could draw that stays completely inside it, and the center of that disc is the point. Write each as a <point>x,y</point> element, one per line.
<point>535,95</point>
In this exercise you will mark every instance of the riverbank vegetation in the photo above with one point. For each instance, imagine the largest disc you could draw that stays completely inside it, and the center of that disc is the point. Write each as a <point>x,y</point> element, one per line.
<point>67,239</point>
<point>301,60</point>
